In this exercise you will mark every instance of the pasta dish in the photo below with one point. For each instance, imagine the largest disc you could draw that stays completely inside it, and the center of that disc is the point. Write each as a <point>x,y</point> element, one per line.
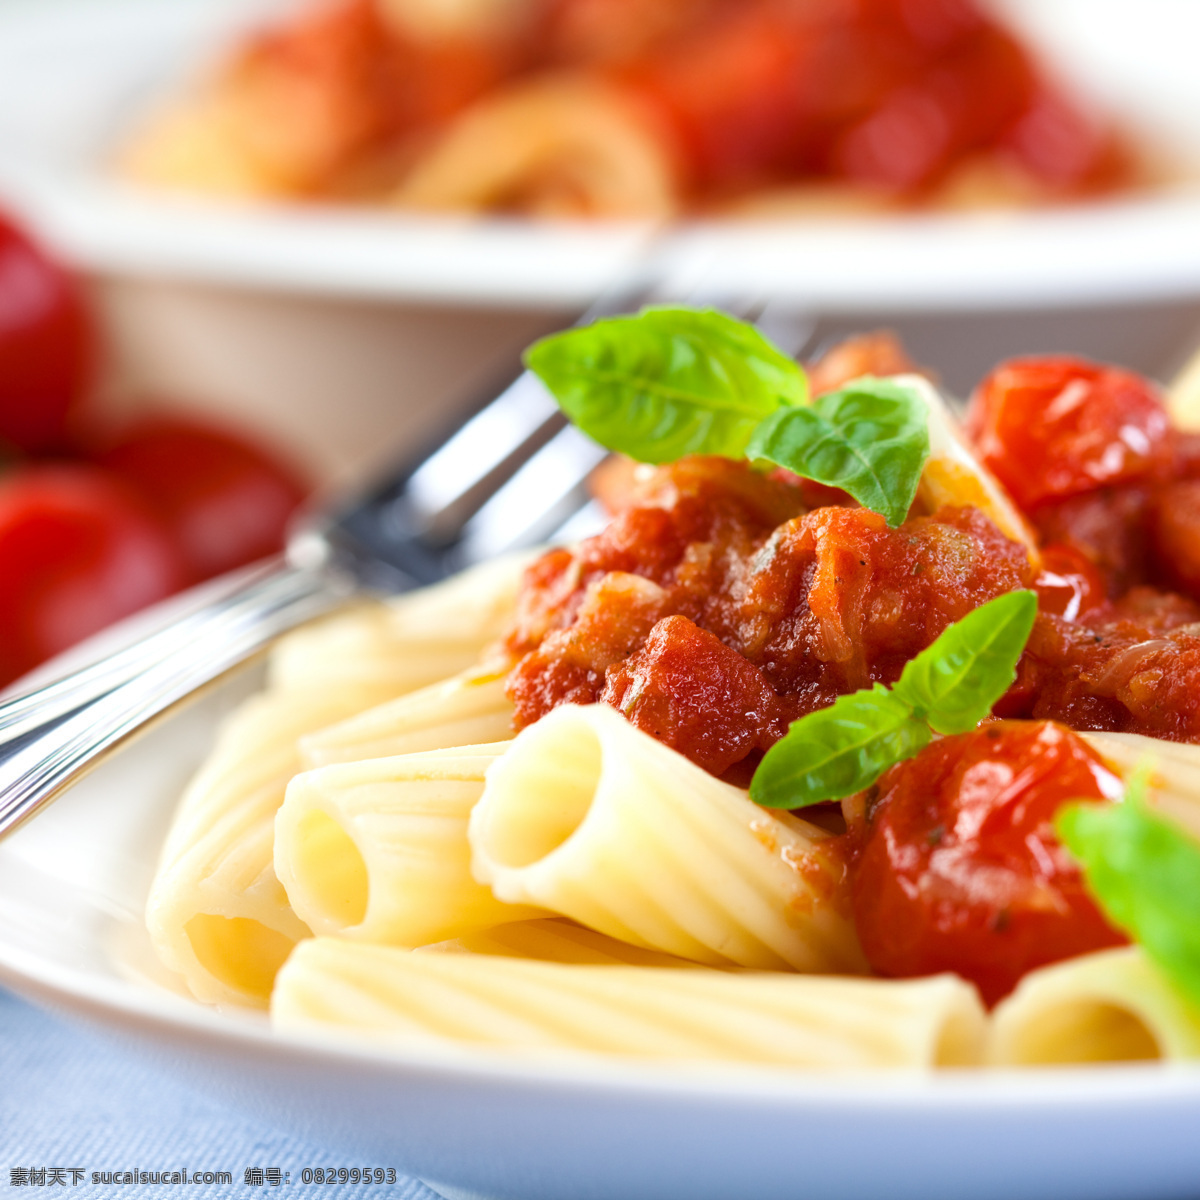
<point>642,108</point>
<point>858,738</point>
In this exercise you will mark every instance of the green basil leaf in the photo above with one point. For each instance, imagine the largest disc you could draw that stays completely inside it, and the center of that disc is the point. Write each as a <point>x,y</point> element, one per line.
<point>668,382</point>
<point>1145,874</point>
<point>838,750</point>
<point>954,683</point>
<point>870,439</point>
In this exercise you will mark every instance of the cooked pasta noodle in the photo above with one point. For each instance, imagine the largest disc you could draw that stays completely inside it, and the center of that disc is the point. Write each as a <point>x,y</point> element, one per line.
<point>408,642</point>
<point>555,145</point>
<point>552,939</point>
<point>470,709</point>
<point>216,912</point>
<point>1174,772</point>
<point>955,476</point>
<point>589,817</point>
<point>377,850</point>
<point>412,999</point>
<point>1113,1006</point>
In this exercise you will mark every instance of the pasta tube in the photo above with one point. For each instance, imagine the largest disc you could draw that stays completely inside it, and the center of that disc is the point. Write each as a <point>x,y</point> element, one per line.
<point>555,940</point>
<point>954,476</point>
<point>216,912</point>
<point>591,818</point>
<point>470,709</point>
<point>408,642</point>
<point>413,999</point>
<point>1113,1006</point>
<point>1174,789</point>
<point>378,851</point>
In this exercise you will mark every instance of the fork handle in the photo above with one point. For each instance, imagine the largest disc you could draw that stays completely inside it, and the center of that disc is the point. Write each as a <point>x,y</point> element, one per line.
<point>51,736</point>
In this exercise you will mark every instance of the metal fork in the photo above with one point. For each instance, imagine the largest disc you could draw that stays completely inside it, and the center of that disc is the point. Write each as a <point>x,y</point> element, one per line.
<point>513,476</point>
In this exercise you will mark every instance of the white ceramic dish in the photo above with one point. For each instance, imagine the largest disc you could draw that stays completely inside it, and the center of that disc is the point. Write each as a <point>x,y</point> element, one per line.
<point>72,885</point>
<point>75,73</point>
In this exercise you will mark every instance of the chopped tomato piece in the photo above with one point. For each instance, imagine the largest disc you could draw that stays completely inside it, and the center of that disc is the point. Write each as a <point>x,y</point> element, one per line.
<point>960,868</point>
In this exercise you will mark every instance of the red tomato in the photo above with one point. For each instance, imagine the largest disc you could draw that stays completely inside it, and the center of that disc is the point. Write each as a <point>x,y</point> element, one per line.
<point>1069,583</point>
<point>80,551</point>
<point>960,868</point>
<point>1059,426</point>
<point>225,501</point>
<point>45,345</point>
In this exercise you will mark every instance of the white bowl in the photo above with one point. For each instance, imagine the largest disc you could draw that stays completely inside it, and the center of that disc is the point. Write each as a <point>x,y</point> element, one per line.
<point>72,886</point>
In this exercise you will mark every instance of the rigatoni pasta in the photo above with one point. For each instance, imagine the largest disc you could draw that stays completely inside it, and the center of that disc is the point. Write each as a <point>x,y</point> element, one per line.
<point>413,999</point>
<point>469,709</point>
<point>589,817</point>
<point>216,912</point>
<point>377,851</point>
<point>1114,1006</point>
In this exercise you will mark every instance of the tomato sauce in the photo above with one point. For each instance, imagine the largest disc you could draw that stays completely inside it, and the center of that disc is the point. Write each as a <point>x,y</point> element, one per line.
<point>723,603</point>
<point>701,588</point>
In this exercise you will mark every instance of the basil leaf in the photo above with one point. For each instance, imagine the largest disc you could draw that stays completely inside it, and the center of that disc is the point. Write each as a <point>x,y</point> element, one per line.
<point>668,382</point>
<point>838,750</point>
<point>870,439</point>
<point>1145,874</point>
<point>954,683</point>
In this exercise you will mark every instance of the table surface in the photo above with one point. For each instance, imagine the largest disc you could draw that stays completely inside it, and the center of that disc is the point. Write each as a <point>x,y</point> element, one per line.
<point>68,1098</point>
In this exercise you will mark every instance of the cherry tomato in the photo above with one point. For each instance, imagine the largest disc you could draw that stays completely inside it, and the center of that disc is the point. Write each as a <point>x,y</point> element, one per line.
<point>960,868</point>
<point>1059,426</point>
<point>80,550</point>
<point>225,501</point>
<point>45,345</point>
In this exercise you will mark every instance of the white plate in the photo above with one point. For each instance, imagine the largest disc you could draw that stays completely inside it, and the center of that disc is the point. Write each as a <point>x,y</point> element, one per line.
<point>72,885</point>
<point>75,73</point>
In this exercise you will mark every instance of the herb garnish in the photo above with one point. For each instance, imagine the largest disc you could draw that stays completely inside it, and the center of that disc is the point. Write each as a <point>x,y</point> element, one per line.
<point>948,688</point>
<point>1145,874</point>
<point>676,381</point>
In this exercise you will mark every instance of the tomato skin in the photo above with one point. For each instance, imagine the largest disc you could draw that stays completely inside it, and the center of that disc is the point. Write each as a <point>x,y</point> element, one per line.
<point>960,869</point>
<point>46,345</point>
<point>1069,584</point>
<point>80,550</point>
<point>225,501</point>
<point>1054,427</point>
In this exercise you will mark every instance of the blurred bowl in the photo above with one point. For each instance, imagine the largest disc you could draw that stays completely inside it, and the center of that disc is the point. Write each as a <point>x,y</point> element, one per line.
<point>346,335</point>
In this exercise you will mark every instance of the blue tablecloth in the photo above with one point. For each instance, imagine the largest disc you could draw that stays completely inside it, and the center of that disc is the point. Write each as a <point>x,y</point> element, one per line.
<point>69,1099</point>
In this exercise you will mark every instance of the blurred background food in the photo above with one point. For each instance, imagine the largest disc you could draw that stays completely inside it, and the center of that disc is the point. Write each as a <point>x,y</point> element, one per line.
<point>302,237</point>
<point>643,108</point>
<point>100,516</point>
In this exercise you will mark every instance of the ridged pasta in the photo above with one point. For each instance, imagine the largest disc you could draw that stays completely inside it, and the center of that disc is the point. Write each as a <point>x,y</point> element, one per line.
<point>377,850</point>
<point>1112,1006</point>
<point>469,709</point>
<point>553,939</point>
<point>216,911</point>
<point>954,476</point>
<point>405,643</point>
<point>557,145</point>
<point>591,818</point>
<point>413,999</point>
<point>1175,772</point>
